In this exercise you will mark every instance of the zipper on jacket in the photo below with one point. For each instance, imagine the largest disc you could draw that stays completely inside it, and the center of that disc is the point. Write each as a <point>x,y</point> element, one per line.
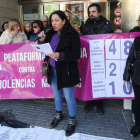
<point>67,69</point>
<point>67,65</point>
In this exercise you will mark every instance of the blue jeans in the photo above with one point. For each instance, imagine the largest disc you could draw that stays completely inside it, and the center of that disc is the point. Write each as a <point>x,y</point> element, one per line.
<point>68,92</point>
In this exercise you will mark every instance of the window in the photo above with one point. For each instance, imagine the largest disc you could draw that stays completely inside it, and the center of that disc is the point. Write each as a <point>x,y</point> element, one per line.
<point>30,13</point>
<point>48,9</point>
<point>77,11</point>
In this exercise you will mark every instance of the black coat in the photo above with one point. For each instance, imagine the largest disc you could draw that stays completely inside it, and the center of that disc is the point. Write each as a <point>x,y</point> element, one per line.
<point>133,58</point>
<point>101,26</point>
<point>66,67</point>
<point>135,29</point>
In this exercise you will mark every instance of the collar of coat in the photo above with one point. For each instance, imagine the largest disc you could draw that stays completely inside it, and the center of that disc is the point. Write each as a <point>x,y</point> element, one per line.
<point>69,31</point>
<point>64,39</point>
<point>36,33</point>
<point>101,19</point>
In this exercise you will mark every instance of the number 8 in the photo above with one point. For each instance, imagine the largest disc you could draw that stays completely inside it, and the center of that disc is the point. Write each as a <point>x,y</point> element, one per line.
<point>127,45</point>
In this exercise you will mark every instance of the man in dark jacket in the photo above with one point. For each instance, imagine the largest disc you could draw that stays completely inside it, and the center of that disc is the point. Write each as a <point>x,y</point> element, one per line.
<point>96,24</point>
<point>45,22</point>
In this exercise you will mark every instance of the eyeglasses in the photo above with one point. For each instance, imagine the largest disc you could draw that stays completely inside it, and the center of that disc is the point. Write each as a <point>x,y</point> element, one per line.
<point>138,20</point>
<point>35,26</point>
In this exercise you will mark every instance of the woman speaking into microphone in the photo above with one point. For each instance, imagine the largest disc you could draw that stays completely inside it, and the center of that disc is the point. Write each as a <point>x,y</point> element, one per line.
<point>63,74</point>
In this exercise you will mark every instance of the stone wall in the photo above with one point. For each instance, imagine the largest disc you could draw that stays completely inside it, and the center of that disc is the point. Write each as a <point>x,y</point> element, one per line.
<point>8,10</point>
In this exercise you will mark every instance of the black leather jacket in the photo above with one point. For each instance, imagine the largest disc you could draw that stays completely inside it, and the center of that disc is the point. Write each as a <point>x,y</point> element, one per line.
<point>101,26</point>
<point>135,29</point>
<point>133,58</point>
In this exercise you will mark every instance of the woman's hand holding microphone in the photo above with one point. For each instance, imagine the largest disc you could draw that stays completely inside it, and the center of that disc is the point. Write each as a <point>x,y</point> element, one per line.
<point>42,36</point>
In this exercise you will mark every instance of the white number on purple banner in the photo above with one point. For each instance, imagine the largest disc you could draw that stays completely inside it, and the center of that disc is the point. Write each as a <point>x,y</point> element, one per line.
<point>125,47</point>
<point>112,48</point>
<point>113,69</point>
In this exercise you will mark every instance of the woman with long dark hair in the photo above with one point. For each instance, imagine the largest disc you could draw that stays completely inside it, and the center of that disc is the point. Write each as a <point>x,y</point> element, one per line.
<point>63,74</point>
<point>4,27</point>
<point>132,70</point>
<point>37,26</point>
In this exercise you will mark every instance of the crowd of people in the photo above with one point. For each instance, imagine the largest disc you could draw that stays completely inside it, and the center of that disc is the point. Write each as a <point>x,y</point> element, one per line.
<point>63,74</point>
<point>30,29</point>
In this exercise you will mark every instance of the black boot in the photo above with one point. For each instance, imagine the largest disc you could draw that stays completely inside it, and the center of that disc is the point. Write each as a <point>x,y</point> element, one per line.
<point>100,110</point>
<point>135,131</point>
<point>88,106</point>
<point>57,119</point>
<point>71,126</point>
<point>99,107</point>
<point>1,118</point>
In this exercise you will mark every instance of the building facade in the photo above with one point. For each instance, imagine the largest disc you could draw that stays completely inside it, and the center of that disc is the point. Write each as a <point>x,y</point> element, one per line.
<point>34,9</point>
<point>8,10</point>
<point>122,13</point>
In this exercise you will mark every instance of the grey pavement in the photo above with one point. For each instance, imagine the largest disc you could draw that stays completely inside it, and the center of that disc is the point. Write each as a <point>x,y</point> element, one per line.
<point>115,123</point>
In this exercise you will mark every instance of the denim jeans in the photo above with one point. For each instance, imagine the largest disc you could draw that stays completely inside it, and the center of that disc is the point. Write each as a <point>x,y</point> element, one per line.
<point>68,93</point>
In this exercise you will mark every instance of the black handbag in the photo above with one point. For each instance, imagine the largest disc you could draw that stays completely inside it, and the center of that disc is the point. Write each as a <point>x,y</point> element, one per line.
<point>44,68</point>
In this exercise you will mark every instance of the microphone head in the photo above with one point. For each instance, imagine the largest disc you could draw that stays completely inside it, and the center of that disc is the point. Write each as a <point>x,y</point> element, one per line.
<point>48,29</point>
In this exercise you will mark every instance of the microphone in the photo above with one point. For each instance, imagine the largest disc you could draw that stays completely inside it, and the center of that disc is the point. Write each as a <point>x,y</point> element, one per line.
<point>47,30</point>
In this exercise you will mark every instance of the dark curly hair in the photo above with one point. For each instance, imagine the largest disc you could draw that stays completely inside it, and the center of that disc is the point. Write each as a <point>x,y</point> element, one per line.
<point>39,23</point>
<point>3,25</point>
<point>96,5</point>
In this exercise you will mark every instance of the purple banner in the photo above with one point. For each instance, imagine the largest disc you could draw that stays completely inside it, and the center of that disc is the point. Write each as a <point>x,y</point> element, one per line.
<point>20,75</point>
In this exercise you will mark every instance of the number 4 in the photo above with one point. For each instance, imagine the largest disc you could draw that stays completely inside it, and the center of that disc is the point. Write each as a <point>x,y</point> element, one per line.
<point>112,47</point>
